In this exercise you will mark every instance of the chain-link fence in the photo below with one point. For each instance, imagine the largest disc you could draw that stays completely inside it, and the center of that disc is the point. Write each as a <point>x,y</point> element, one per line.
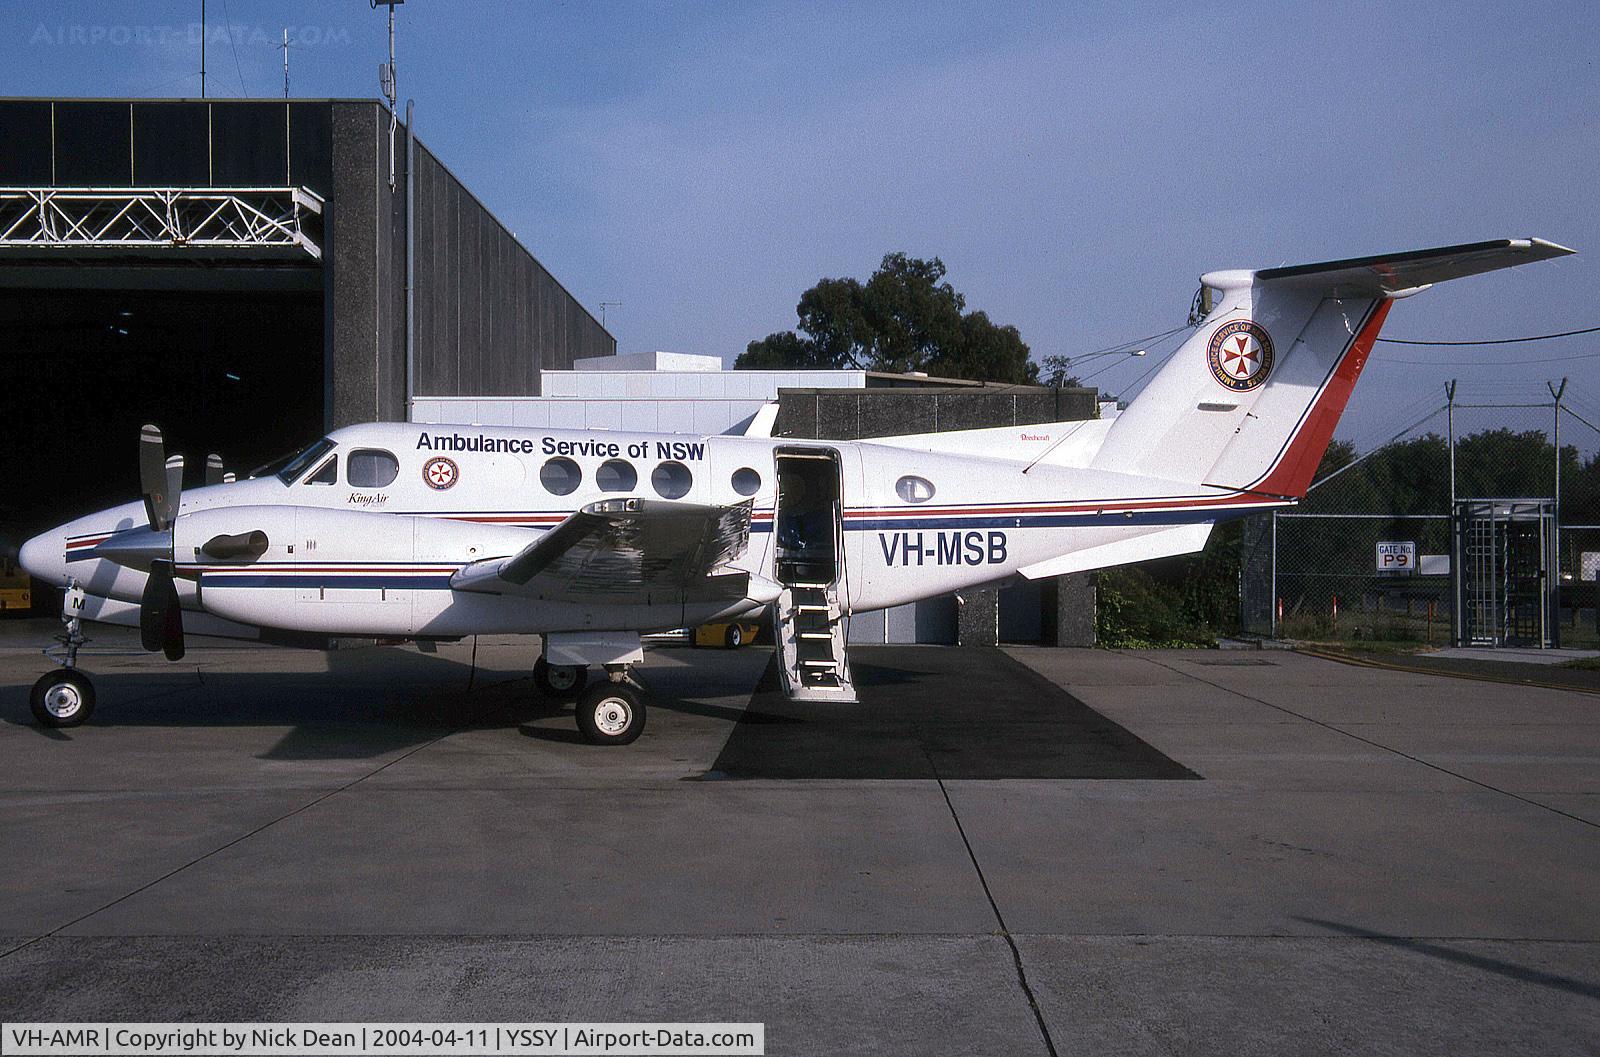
<point>1372,551</point>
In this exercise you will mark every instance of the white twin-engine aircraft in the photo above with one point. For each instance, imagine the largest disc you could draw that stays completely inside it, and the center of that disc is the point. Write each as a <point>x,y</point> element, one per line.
<point>590,538</point>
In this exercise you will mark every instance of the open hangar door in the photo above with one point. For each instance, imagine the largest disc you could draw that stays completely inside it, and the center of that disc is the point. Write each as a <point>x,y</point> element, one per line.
<point>238,372</point>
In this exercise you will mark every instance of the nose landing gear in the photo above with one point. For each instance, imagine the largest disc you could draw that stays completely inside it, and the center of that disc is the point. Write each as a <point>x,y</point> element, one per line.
<point>65,697</point>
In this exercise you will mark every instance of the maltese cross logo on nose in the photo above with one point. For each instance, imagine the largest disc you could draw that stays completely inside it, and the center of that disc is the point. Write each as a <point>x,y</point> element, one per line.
<point>440,473</point>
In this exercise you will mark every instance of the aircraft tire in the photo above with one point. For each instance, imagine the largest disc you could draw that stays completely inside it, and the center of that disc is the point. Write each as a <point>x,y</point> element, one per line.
<point>561,682</point>
<point>610,714</point>
<point>62,698</point>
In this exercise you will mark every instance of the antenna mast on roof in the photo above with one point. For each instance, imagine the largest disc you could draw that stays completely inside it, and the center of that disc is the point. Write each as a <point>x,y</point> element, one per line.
<point>284,47</point>
<point>202,49</point>
<point>387,84</point>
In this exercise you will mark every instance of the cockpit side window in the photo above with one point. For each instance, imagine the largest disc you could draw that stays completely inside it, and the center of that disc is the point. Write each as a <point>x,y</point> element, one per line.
<point>327,473</point>
<point>299,463</point>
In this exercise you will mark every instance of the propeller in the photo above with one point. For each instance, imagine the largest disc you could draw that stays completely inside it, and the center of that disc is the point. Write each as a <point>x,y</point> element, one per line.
<point>160,614</point>
<point>150,548</point>
<point>160,478</point>
<point>161,481</point>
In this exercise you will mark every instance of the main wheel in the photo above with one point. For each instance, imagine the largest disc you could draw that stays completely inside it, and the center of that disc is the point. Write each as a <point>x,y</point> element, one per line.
<point>560,681</point>
<point>734,637</point>
<point>610,714</point>
<point>62,698</point>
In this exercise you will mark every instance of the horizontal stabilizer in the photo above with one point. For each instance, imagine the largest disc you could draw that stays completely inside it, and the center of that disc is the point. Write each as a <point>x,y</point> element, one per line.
<point>1160,543</point>
<point>1393,273</point>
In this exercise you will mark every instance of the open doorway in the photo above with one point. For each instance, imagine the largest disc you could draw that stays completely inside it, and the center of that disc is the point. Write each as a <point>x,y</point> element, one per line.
<point>806,524</point>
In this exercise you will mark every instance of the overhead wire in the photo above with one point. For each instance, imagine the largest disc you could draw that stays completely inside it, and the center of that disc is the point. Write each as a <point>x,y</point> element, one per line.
<point>1363,458</point>
<point>1126,346</point>
<point>235,46</point>
<point>1580,418</point>
<point>1495,341</point>
<point>1130,390</point>
<point>1488,363</point>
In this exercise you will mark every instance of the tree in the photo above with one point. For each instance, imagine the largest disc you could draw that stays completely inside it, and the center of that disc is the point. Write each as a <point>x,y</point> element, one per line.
<point>904,318</point>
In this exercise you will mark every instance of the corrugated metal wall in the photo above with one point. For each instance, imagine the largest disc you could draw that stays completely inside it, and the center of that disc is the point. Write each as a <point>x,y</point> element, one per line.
<point>489,316</point>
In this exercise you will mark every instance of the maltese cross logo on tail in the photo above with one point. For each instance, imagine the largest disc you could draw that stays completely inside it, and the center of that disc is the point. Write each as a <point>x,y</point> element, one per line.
<point>1240,355</point>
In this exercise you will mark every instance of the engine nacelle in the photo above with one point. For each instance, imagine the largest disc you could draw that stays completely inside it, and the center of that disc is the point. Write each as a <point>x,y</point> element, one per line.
<point>330,571</point>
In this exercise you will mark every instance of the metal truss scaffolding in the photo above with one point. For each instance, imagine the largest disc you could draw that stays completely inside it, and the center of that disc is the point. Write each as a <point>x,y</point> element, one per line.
<point>245,222</point>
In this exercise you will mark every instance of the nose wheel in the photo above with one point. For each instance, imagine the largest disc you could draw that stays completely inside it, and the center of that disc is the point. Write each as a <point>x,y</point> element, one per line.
<point>62,698</point>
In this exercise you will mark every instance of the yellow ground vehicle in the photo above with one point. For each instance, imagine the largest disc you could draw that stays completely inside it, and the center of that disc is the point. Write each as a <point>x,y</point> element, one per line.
<point>16,586</point>
<point>731,636</point>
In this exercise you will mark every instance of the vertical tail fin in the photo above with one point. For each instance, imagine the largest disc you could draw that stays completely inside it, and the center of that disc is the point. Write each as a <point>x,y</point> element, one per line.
<point>1250,400</point>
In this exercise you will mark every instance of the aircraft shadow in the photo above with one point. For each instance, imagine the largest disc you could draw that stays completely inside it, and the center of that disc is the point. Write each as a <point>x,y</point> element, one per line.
<point>356,709</point>
<point>936,713</point>
<point>1498,966</point>
<point>369,701</point>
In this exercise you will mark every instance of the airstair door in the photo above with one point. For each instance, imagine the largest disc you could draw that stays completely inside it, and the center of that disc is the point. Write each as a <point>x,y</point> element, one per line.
<point>810,615</point>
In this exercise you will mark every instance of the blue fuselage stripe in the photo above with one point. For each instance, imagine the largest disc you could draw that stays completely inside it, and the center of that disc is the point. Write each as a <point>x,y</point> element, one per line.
<point>377,580</point>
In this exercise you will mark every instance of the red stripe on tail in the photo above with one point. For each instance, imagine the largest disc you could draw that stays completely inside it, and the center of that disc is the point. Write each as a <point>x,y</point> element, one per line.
<point>1298,467</point>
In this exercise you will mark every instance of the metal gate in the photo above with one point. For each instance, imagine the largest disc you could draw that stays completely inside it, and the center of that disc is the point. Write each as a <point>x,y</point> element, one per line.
<point>1505,589</point>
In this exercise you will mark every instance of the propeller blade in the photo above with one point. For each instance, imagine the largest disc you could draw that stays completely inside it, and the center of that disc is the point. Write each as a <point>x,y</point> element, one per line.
<point>174,493</point>
<point>158,507</point>
<point>214,471</point>
<point>152,606</point>
<point>160,614</point>
<point>172,632</point>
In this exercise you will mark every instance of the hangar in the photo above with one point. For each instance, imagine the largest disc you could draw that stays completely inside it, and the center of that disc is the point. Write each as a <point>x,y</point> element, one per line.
<point>248,274</point>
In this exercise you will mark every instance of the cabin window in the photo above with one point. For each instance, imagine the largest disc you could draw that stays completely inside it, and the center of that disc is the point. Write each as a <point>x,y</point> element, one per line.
<point>327,473</point>
<point>914,489</point>
<point>561,476</point>
<point>371,468</point>
<point>614,475</point>
<point>671,480</point>
<point>746,481</point>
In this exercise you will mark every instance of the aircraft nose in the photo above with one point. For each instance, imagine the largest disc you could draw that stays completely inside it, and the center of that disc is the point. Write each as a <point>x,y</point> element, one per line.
<point>44,557</point>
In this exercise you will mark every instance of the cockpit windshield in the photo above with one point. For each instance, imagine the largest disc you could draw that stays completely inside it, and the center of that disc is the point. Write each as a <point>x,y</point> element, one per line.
<point>289,467</point>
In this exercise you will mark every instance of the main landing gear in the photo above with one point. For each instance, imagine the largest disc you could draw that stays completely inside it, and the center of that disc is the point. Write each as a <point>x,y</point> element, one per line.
<point>560,682</point>
<point>65,697</point>
<point>612,710</point>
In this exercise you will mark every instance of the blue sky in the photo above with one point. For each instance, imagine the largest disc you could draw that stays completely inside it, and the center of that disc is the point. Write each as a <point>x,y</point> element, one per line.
<point>1076,166</point>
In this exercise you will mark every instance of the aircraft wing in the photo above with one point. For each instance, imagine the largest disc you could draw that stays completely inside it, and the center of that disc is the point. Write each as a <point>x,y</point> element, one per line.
<point>625,551</point>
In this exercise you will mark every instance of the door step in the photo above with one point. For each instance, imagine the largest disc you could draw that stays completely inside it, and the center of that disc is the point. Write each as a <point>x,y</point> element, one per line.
<point>810,627</point>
